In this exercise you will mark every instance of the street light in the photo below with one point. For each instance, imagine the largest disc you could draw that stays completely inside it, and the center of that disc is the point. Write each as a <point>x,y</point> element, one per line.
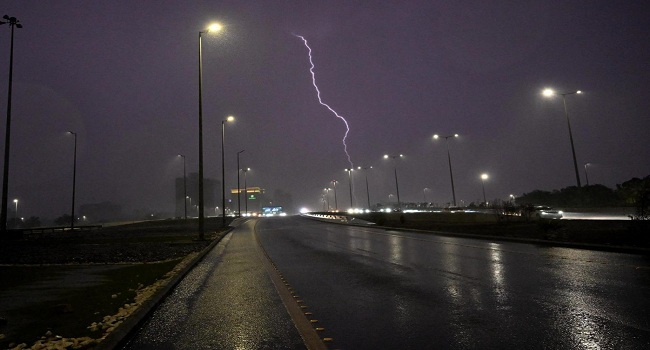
<point>350,183</point>
<point>367,190</point>
<point>238,186</point>
<point>246,190</point>
<point>550,93</point>
<point>212,28</point>
<point>387,156</point>
<point>483,178</point>
<point>74,178</point>
<point>230,118</point>
<point>184,186</point>
<point>13,23</point>
<point>336,202</point>
<point>16,213</point>
<point>451,174</point>
<point>424,192</point>
<point>587,174</point>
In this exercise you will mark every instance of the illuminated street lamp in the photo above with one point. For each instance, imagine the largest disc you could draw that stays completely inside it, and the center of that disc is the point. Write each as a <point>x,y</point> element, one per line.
<point>223,168</point>
<point>367,189</point>
<point>16,212</point>
<point>212,28</point>
<point>238,185</point>
<point>350,183</point>
<point>184,186</point>
<point>13,23</point>
<point>451,174</point>
<point>483,178</point>
<point>424,192</point>
<point>74,178</point>
<point>587,174</point>
<point>336,202</point>
<point>551,93</point>
<point>387,156</point>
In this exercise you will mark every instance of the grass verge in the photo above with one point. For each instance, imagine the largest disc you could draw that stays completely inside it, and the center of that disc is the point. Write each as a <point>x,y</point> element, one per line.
<point>76,296</point>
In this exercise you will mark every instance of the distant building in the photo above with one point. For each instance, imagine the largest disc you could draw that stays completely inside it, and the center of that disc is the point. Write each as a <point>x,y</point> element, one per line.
<point>210,195</point>
<point>252,197</point>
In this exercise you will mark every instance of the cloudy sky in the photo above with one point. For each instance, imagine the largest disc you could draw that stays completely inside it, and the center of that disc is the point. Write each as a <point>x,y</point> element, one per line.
<point>124,76</point>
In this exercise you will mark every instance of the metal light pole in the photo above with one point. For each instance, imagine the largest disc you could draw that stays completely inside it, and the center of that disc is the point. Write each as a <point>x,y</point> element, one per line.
<point>336,203</point>
<point>74,179</point>
<point>13,23</point>
<point>587,174</point>
<point>386,156</point>
<point>212,28</point>
<point>238,185</point>
<point>246,190</point>
<point>549,93</point>
<point>184,186</point>
<point>350,183</point>
<point>451,174</point>
<point>483,178</point>
<point>424,192</point>
<point>16,212</point>
<point>223,169</point>
<point>367,190</point>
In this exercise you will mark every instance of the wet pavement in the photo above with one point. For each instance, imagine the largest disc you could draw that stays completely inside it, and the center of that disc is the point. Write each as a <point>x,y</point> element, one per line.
<point>227,301</point>
<point>382,289</point>
<point>372,288</point>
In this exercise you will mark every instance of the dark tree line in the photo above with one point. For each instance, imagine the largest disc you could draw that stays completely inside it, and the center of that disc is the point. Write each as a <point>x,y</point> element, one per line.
<point>634,192</point>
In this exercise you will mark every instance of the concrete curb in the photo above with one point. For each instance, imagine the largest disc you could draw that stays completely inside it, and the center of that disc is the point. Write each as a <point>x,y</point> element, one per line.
<point>117,338</point>
<point>598,247</point>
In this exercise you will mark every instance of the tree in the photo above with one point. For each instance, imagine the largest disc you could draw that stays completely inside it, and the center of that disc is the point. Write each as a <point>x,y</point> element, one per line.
<point>63,220</point>
<point>636,192</point>
<point>33,221</point>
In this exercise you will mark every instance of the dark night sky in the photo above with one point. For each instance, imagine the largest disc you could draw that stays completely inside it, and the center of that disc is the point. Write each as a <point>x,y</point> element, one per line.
<point>124,75</point>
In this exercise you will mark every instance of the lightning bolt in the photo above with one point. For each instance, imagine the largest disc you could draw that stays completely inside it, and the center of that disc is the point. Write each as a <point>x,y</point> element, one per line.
<point>313,80</point>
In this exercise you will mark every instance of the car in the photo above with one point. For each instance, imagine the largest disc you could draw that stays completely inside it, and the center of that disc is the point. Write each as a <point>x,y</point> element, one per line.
<point>545,212</point>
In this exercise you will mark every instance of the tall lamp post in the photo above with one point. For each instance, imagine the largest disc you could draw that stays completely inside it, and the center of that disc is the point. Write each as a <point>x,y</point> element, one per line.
<point>387,156</point>
<point>246,190</point>
<point>367,189</point>
<point>212,28</point>
<point>587,174</point>
<point>424,192</point>
<point>13,23</point>
<point>336,203</point>
<point>74,178</point>
<point>550,93</point>
<point>223,169</point>
<point>451,174</point>
<point>184,186</point>
<point>238,185</point>
<point>483,178</point>
<point>16,211</point>
<point>350,185</point>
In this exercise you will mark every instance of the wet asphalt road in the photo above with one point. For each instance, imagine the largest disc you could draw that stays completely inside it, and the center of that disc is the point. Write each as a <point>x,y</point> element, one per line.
<point>379,289</point>
<point>226,302</point>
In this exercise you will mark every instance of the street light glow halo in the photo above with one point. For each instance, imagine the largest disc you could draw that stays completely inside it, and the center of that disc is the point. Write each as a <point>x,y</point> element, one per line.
<point>214,27</point>
<point>230,118</point>
<point>484,176</point>
<point>548,92</point>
